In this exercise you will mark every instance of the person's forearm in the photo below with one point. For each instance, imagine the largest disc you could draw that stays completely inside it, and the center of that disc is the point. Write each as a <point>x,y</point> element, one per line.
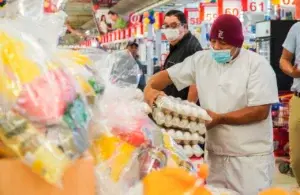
<point>193,94</point>
<point>286,66</point>
<point>159,81</point>
<point>246,115</point>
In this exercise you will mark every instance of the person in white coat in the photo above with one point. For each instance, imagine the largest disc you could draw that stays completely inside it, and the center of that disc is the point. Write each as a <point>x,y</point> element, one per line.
<point>237,88</point>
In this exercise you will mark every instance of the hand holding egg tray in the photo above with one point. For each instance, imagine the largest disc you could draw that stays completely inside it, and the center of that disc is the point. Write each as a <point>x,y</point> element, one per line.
<point>184,120</point>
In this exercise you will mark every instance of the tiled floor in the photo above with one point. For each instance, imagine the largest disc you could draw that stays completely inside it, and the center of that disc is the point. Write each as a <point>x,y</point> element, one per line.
<point>284,181</point>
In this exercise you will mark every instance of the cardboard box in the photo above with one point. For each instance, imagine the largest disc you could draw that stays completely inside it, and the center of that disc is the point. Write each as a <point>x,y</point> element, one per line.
<point>17,179</point>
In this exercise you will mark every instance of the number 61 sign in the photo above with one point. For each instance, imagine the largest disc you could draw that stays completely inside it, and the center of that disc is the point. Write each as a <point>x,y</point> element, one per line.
<point>254,5</point>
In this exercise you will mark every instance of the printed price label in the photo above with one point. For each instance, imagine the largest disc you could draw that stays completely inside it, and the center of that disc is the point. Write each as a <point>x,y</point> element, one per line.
<point>257,6</point>
<point>193,16</point>
<point>210,13</point>
<point>232,7</point>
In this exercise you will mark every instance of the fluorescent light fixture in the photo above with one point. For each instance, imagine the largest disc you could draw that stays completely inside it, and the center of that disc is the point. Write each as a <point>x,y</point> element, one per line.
<point>141,11</point>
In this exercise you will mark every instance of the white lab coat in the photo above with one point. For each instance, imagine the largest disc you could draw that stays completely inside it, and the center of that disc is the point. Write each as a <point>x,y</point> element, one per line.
<point>248,80</point>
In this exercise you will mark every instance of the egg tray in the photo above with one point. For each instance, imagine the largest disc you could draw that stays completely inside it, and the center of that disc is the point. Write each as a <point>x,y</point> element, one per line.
<point>167,121</point>
<point>192,150</point>
<point>182,109</point>
<point>184,137</point>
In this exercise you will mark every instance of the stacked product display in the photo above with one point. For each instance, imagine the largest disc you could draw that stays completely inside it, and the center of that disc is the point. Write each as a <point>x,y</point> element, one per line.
<point>184,122</point>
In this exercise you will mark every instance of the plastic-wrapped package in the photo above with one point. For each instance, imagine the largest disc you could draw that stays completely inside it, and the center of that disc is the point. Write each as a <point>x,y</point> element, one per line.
<point>40,102</point>
<point>121,126</point>
<point>119,69</point>
<point>78,65</point>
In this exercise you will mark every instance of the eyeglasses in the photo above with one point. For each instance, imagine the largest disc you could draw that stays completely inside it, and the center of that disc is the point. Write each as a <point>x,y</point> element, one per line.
<point>172,25</point>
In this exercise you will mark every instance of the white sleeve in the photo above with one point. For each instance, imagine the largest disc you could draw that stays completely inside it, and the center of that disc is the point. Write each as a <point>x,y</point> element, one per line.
<point>262,85</point>
<point>290,42</point>
<point>183,74</point>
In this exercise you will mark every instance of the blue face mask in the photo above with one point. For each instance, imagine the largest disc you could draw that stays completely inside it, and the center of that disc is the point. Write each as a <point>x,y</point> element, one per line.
<point>221,56</point>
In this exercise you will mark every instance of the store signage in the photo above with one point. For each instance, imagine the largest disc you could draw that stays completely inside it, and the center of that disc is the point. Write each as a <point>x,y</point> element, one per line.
<point>193,16</point>
<point>287,2</point>
<point>133,31</point>
<point>122,34</point>
<point>256,6</point>
<point>232,7</point>
<point>210,12</point>
<point>135,19</point>
<point>127,33</point>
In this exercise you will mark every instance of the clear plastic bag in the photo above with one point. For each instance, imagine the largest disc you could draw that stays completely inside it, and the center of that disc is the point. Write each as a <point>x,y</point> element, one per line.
<point>44,115</point>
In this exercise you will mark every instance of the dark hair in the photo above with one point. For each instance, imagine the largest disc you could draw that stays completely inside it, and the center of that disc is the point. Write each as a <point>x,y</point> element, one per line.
<point>179,14</point>
<point>103,16</point>
<point>112,13</point>
<point>132,43</point>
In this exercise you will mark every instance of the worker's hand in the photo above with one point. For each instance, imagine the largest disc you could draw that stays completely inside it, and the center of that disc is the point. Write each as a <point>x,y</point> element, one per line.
<point>151,95</point>
<point>216,120</point>
<point>295,72</point>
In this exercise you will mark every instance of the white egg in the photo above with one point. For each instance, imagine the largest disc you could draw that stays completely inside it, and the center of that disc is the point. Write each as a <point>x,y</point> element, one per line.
<point>188,150</point>
<point>175,122</point>
<point>197,150</point>
<point>201,128</point>
<point>171,133</point>
<point>184,124</point>
<point>195,137</point>
<point>160,121</point>
<point>193,126</point>
<point>178,99</point>
<point>159,115</point>
<point>186,110</point>
<point>168,118</point>
<point>187,136</point>
<point>179,135</point>
<point>194,112</point>
<point>168,124</point>
<point>201,140</point>
<point>178,108</point>
<point>147,109</point>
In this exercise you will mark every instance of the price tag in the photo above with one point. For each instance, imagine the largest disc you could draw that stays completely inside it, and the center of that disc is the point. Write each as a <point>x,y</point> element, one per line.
<point>193,16</point>
<point>257,6</point>
<point>232,7</point>
<point>287,2</point>
<point>210,13</point>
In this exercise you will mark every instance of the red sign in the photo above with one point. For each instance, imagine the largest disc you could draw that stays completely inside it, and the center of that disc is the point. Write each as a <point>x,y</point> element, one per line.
<point>192,15</point>
<point>127,33</point>
<point>122,35</point>
<point>134,19</point>
<point>232,7</point>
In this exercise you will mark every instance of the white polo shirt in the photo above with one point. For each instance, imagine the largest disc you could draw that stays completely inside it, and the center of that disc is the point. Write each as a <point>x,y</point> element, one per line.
<point>249,80</point>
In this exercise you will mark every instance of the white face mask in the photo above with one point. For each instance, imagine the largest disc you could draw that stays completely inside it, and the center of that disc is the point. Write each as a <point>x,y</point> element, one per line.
<point>172,34</point>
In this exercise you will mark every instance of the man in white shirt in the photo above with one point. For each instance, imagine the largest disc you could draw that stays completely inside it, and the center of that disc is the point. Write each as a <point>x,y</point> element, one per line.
<point>237,88</point>
<point>291,49</point>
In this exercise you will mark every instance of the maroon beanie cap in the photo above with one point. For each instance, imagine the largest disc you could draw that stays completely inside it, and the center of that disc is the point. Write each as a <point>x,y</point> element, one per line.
<point>228,28</point>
